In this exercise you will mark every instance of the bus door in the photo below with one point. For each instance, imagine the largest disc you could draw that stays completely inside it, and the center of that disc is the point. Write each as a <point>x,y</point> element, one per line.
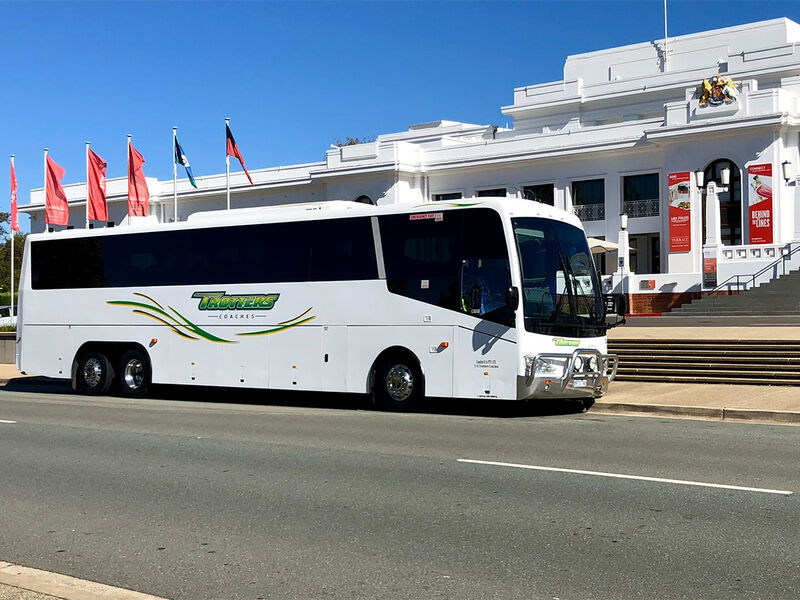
<point>486,351</point>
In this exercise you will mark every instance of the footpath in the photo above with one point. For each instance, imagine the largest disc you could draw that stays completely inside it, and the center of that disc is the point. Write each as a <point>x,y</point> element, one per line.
<point>760,403</point>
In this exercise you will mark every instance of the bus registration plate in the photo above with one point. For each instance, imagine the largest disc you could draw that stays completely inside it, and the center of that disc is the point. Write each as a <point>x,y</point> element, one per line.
<point>579,383</point>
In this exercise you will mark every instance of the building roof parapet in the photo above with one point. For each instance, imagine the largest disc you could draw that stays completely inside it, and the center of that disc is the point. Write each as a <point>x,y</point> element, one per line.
<point>744,51</point>
<point>208,185</point>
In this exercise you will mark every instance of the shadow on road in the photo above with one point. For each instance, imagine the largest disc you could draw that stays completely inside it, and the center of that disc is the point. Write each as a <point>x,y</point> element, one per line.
<point>440,406</point>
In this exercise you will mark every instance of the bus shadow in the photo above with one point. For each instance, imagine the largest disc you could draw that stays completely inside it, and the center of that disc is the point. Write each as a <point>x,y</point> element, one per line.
<point>326,400</point>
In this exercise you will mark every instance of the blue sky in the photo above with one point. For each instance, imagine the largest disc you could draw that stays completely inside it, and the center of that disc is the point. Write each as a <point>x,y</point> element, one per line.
<point>293,76</point>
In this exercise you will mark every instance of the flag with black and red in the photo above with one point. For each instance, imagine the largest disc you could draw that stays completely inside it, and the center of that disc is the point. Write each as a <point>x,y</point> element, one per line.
<point>233,150</point>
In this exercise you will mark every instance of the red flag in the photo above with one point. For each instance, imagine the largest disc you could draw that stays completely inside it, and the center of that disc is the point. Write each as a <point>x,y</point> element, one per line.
<point>56,209</point>
<point>233,150</point>
<point>14,214</point>
<point>138,196</point>
<point>96,187</point>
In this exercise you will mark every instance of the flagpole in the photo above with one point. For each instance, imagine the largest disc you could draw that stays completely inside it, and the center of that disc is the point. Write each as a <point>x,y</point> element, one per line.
<point>45,190</point>
<point>174,174</point>
<point>12,251</point>
<point>129,178</point>
<point>87,184</point>
<point>227,166</point>
<point>666,40</point>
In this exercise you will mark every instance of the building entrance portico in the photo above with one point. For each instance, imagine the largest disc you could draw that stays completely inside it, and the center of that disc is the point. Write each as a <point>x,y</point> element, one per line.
<point>730,200</point>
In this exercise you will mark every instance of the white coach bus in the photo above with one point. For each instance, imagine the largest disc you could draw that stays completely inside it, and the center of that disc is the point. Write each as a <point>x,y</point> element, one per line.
<point>488,298</point>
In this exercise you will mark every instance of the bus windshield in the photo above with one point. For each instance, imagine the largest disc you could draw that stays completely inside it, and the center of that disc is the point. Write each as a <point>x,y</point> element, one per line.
<point>560,290</point>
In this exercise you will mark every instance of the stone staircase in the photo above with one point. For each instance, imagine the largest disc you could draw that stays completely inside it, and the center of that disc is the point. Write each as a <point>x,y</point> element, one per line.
<point>780,296</point>
<point>750,362</point>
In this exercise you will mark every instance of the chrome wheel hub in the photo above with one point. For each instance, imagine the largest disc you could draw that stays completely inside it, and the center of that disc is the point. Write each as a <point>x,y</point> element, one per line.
<point>133,374</point>
<point>399,382</point>
<point>92,372</point>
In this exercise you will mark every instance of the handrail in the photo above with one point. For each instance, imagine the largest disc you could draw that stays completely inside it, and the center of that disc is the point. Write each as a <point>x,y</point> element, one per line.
<point>752,278</point>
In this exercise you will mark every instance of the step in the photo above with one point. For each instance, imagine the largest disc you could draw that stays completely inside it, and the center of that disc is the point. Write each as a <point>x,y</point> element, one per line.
<point>734,313</point>
<point>626,365</point>
<point>695,379</point>
<point>709,373</point>
<point>777,350</point>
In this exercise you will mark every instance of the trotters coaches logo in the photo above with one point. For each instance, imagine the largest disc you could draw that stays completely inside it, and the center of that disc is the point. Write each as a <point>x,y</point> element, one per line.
<point>223,301</point>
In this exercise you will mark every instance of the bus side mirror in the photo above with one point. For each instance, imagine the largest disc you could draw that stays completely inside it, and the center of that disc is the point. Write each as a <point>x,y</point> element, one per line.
<point>620,308</point>
<point>512,298</point>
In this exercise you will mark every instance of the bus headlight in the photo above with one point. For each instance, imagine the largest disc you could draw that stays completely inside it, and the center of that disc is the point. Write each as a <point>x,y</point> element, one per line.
<point>541,366</point>
<point>578,364</point>
<point>594,364</point>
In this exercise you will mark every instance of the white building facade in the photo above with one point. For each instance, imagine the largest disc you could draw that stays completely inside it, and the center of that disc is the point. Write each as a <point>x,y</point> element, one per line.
<point>624,133</point>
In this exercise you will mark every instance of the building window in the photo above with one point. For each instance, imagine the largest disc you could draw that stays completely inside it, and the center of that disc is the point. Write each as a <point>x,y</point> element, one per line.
<point>540,193</point>
<point>493,192</point>
<point>640,195</point>
<point>646,253</point>
<point>447,196</point>
<point>364,199</point>
<point>589,199</point>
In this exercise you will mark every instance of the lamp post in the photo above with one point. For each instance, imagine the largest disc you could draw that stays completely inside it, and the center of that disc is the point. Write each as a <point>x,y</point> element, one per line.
<point>713,225</point>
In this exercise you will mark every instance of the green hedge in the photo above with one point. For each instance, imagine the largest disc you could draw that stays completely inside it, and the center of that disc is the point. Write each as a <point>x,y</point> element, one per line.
<point>5,298</point>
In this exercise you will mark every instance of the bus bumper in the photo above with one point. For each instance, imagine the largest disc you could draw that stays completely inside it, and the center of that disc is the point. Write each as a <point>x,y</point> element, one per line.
<point>582,374</point>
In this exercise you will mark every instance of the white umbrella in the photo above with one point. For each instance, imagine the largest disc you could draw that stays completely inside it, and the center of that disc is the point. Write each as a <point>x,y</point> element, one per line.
<point>601,246</point>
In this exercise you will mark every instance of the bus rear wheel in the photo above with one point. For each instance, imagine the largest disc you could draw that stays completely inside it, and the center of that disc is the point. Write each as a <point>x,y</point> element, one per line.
<point>94,374</point>
<point>398,384</point>
<point>134,374</point>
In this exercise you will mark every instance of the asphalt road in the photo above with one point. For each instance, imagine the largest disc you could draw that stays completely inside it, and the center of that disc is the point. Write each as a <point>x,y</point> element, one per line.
<point>297,499</point>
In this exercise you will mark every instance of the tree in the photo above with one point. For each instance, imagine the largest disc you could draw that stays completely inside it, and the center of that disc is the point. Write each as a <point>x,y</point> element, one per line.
<point>5,255</point>
<point>352,141</point>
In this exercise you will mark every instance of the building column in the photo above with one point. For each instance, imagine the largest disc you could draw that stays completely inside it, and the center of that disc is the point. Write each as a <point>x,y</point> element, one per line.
<point>713,224</point>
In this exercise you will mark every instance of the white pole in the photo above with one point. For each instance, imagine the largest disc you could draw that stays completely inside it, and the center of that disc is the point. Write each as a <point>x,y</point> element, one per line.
<point>45,190</point>
<point>666,39</point>
<point>175,174</point>
<point>129,177</point>
<point>12,256</point>
<point>87,185</point>
<point>227,166</point>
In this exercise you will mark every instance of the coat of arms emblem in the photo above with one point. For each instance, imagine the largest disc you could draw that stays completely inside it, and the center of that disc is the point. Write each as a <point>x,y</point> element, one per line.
<point>719,90</point>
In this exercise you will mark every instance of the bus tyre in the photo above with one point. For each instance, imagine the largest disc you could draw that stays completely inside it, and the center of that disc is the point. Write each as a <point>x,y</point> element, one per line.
<point>398,384</point>
<point>95,374</point>
<point>134,374</point>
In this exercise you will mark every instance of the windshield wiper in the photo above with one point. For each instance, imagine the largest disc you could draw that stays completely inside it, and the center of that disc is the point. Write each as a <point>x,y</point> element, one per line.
<point>568,288</point>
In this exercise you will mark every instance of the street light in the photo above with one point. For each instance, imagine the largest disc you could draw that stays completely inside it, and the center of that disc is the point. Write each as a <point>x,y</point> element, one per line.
<point>699,178</point>
<point>788,170</point>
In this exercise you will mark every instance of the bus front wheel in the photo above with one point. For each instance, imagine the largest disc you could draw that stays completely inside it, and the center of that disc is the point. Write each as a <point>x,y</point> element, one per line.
<point>95,374</point>
<point>398,384</point>
<point>134,374</point>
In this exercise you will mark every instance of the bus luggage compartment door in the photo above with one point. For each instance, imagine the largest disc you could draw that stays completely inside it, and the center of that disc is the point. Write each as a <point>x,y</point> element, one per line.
<point>295,359</point>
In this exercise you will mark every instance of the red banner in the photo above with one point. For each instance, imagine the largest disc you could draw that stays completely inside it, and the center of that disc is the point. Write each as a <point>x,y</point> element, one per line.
<point>14,213</point>
<point>759,178</point>
<point>680,219</point>
<point>138,195</point>
<point>97,187</point>
<point>56,207</point>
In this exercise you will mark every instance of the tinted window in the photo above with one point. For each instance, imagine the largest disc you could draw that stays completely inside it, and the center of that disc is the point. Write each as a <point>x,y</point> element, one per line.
<point>423,256</point>
<point>540,193</point>
<point>490,193</point>
<point>453,259</point>
<point>334,250</point>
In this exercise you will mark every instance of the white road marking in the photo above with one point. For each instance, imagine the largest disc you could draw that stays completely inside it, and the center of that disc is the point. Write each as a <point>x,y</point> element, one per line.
<point>4,421</point>
<point>623,476</point>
